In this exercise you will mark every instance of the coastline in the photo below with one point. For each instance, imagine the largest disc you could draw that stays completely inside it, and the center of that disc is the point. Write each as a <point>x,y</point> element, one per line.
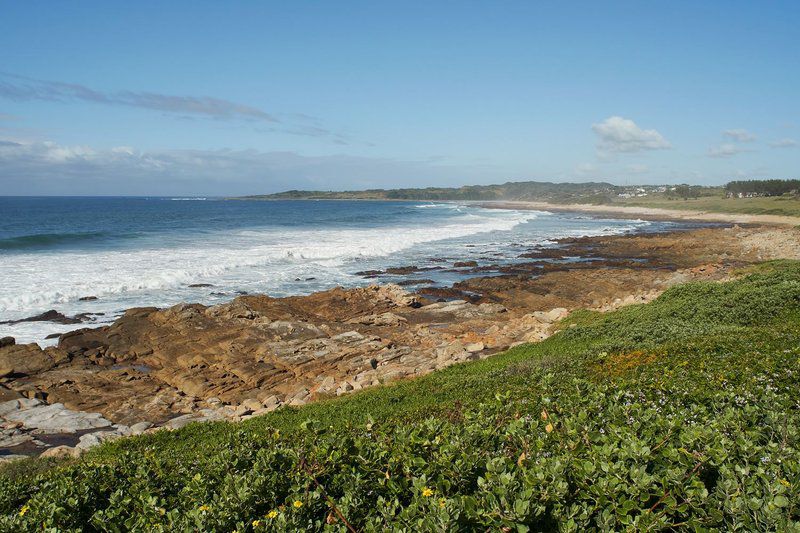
<point>189,363</point>
<point>619,211</point>
<point>646,213</point>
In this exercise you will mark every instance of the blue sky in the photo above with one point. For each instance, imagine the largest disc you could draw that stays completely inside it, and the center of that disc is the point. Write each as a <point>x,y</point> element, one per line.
<point>249,97</point>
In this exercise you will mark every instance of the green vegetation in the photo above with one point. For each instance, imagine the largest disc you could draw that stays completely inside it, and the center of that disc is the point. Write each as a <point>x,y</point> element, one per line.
<point>526,190</point>
<point>776,205</point>
<point>689,197</point>
<point>763,187</point>
<point>679,414</point>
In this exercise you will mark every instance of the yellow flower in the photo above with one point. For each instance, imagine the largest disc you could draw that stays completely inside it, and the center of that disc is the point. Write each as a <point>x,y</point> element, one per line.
<point>297,504</point>
<point>24,510</point>
<point>442,503</point>
<point>272,514</point>
<point>256,523</point>
<point>427,492</point>
<point>548,428</point>
<point>785,483</point>
<point>204,508</point>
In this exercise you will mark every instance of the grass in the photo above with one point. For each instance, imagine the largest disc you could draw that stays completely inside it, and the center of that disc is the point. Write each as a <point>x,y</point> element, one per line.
<point>776,205</point>
<point>678,414</point>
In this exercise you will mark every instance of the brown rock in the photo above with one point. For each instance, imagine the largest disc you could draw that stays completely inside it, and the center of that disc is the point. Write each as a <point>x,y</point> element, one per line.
<point>157,365</point>
<point>61,452</point>
<point>23,359</point>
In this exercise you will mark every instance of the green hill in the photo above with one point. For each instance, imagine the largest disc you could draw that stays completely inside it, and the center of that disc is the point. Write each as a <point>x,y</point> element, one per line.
<point>681,414</point>
<point>525,190</point>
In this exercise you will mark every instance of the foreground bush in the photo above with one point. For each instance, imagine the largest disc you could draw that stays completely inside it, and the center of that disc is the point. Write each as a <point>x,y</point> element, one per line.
<point>681,414</point>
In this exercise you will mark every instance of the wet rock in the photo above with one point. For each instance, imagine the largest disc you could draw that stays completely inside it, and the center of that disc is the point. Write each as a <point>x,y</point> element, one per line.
<point>463,264</point>
<point>403,270</point>
<point>48,316</point>
<point>200,285</point>
<point>87,298</point>
<point>410,282</point>
<point>7,341</point>
<point>369,273</point>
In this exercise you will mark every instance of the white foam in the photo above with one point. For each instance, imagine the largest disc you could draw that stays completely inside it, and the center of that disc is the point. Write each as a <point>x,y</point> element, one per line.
<point>439,206</point>
<point>36,281</point>
<point>257,260</point>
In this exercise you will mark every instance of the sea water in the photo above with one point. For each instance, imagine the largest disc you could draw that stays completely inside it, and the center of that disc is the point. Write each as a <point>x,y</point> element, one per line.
<point>131,252</point>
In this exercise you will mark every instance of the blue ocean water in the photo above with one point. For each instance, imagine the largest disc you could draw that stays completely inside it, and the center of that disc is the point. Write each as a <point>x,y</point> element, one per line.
<point>131,252</point>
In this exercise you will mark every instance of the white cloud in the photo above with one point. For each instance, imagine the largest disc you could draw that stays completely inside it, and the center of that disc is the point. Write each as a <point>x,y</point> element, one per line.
<point>24,89</point>
<point>50,168</point>
<point>725,150</point>
<point>739,135</point>
<point>785,143</point>
<point>617,134</point>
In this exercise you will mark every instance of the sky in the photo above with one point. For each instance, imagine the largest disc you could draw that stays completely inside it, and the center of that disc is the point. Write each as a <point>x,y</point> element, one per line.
<point>228,98</point>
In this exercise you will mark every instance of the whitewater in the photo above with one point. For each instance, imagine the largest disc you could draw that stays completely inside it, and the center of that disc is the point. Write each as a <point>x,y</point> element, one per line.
<point>152,252</point>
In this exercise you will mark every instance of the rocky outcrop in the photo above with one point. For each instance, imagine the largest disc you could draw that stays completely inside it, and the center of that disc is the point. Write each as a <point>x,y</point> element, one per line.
<point>51,316</point>
<point>195,363</point>
<point>26,359</point>
<point>253,354</point>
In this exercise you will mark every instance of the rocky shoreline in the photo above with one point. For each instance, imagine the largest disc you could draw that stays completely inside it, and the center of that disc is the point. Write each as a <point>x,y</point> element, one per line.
<point>156,369</point>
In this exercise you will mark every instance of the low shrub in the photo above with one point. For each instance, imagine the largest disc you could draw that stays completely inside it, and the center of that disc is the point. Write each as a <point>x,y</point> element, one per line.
<point>681,414</point>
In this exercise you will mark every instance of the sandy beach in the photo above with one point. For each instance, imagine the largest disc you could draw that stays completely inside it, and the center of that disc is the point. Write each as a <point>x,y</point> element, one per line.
<point>649,213</point>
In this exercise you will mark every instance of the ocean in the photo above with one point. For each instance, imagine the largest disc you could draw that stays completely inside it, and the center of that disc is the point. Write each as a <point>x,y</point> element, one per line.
<point>131,252</point>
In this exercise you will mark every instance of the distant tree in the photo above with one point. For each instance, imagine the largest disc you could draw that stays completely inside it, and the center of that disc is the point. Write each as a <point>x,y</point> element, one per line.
<point>685,192</point>
<point>771,187</point>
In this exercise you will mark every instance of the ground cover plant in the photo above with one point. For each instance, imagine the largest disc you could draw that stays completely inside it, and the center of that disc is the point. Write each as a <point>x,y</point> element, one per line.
<point>682,414</point>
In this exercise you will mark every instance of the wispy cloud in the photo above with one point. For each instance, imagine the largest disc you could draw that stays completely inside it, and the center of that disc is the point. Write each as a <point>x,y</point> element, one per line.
<point>21,88</point>
<point>785,143</point>
<point>618,134</point>
<point>739,135</point>
<point>726,150</point>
